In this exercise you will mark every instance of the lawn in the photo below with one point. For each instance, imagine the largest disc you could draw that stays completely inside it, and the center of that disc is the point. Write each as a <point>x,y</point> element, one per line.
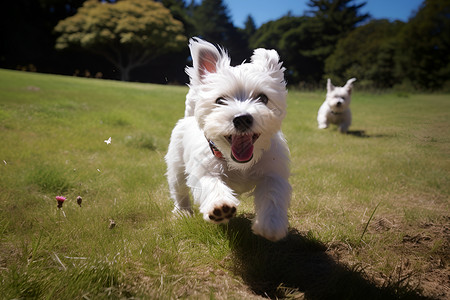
<point>369,217</point>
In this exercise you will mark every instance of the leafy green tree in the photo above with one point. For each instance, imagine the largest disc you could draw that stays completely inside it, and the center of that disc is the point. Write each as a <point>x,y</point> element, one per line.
<point>336,18</point>
<point>249,27</point>
<point>287,35</point>
<point>26,32</point>
<point>270,34</point>
<point>213,23</point>
<point>367,53</point>
<point>305,42</point>
<point>425,46</point>
<point>129,33</point>
<point>181,12</point>
<point>331,20</point>
<point>297,44</point>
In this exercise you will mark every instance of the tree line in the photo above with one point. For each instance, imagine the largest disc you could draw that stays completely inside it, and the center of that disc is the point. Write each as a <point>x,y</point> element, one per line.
<point>146,40</point>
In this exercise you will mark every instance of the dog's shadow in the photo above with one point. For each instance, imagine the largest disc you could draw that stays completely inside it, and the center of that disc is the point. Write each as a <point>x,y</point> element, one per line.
<point>300,264</point>
<point>363,134</point>
<point>358,133</point>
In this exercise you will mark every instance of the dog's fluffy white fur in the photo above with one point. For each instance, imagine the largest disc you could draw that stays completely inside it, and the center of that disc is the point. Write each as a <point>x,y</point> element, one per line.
<point>230,141</point>
<point>336,107</point>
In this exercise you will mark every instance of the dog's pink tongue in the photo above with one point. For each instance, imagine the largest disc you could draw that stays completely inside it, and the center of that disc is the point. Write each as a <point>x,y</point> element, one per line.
<point>242,147</point>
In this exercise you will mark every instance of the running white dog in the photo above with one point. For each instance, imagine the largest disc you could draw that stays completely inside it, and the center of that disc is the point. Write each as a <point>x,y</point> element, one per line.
<point>336,108</point>
<point>230,142</point>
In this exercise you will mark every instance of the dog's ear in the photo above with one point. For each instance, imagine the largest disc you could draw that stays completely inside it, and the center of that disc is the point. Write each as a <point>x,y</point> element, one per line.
<point>349,84</point>
<point>330,86</point>
<point>205,58</point>
<point>269,59</point>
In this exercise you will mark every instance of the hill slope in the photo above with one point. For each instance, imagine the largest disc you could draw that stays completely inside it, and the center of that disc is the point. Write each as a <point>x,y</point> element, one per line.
<point>369,214</point>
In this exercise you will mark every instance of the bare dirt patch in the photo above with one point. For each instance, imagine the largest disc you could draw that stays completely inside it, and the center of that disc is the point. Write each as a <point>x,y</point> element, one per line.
<point>420,255</point>
<point>301,266</point>
<point>429,247</point>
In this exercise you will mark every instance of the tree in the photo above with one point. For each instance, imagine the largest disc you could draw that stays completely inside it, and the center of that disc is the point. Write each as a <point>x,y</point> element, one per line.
<point>249,27</point>
<point>213,23</point>
<point>128,33</point>
<point>425,46</point>
<point>297,41</point>
<point>287,36</point>
<point>335,18</point>
<point>26,32</point>
<point>305,42</point>
<point>331,20</point>
<point>180,12</point>
<point>367,53</point>
<point>270,34</point>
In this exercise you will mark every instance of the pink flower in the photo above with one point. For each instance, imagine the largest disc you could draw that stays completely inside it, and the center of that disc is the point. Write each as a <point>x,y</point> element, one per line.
<point>60,200</point>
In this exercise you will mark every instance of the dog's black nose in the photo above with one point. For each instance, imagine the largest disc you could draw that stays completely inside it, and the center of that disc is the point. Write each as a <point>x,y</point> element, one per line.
<point>338,104</point>
<point>243,122</point>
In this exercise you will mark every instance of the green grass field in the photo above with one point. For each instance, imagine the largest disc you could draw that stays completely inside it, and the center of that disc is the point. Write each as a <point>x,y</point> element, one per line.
<point>369,216</point>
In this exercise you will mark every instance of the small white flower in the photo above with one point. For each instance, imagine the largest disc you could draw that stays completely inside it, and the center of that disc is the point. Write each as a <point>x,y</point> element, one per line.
<point>108,141</point>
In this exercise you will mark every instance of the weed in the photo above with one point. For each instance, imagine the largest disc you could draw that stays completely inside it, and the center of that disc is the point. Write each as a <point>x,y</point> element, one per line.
<point>368,222</point>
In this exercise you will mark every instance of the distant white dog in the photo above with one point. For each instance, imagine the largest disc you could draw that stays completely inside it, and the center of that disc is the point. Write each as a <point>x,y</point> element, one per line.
<point>230,141</point>
<point>336,108</point>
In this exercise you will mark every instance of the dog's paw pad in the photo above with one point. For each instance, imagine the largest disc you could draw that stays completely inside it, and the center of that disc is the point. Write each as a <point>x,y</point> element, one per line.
<point>222,214</point>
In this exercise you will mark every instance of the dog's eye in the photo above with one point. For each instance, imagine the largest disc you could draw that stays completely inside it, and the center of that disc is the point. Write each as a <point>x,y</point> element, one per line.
<point>262,98</point>
<point>221,101</point>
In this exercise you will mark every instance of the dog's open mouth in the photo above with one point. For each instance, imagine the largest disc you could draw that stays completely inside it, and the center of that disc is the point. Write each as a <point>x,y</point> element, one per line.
<point>242,146</point>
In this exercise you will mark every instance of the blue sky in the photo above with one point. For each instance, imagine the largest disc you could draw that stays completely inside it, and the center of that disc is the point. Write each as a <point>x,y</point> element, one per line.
<point>263,11</point>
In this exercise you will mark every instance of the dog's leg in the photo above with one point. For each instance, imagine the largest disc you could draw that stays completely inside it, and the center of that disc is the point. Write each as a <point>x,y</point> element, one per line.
<point>179,192</point>
<point>343,127</point>
<point>322,120</point>
<point>322,124</point>
<point>272,197</point>
<point>176,177</point>
<point>216,200</point>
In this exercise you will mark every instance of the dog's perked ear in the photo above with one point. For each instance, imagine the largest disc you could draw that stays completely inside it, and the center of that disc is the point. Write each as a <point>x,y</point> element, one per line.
<point>205,59</point>
<point>330,86</point>
<point>349,84</point>
<point>270,60</point>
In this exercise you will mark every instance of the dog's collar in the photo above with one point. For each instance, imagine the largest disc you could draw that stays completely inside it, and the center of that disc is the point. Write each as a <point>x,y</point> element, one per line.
<point>337,113</point>
<point>216,152</point>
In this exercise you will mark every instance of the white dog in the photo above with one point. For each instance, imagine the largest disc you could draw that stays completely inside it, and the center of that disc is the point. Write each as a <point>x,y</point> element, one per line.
<point>336,108</point>
<point>229,141</point>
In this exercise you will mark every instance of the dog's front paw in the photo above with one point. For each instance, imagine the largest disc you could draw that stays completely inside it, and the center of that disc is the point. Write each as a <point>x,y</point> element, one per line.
<point>221,214</point>
<point>343,129</point>
<point>273,230</point>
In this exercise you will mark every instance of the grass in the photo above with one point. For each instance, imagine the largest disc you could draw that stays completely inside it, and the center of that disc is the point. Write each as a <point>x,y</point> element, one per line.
<point>369,215</point>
